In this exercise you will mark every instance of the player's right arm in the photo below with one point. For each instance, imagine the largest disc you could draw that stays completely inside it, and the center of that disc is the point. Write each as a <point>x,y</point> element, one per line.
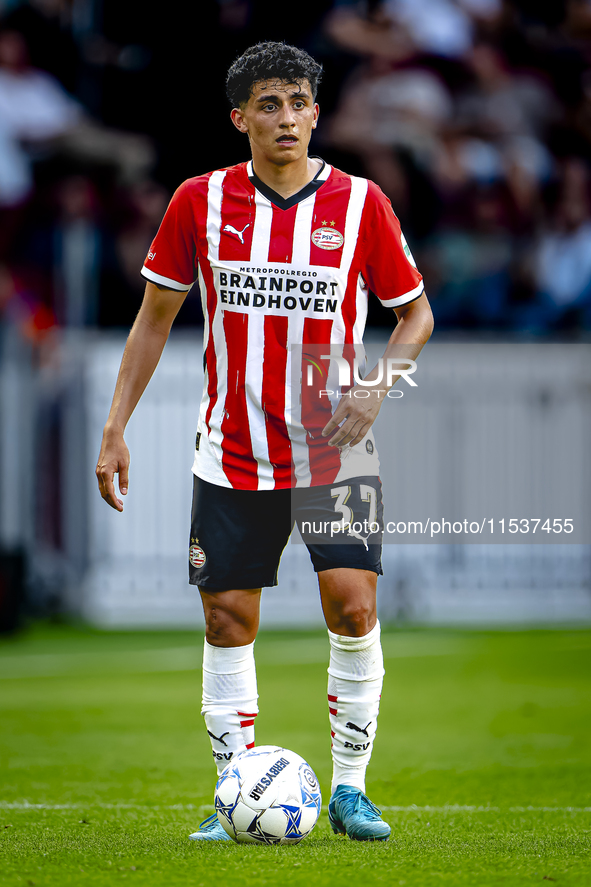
<point>142,352</point>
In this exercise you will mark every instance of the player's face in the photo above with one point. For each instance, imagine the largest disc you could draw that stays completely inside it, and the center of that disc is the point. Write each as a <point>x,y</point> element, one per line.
<point>279,118</point>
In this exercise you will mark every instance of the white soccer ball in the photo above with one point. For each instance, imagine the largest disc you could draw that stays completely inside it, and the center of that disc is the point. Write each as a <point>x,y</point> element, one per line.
<point>268,795</point>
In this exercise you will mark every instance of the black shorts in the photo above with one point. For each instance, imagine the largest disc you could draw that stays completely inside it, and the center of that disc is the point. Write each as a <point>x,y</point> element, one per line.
<point>238,536</point>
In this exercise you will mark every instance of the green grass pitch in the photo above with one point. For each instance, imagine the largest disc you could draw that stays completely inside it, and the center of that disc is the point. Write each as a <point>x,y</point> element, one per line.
<point>482,762</point>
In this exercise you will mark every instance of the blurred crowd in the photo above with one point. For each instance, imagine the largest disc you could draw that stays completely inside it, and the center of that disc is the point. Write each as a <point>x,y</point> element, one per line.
<point>474,117</point>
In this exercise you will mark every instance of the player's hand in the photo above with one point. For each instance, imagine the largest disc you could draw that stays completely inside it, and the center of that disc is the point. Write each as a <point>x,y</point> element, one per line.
<point>357,415</point>
<point>113,459</point>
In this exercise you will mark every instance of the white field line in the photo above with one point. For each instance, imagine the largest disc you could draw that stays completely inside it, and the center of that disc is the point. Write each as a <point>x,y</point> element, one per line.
<point>296,651</point>
<point>412,808</point>
<point>123,805</point>
<point>470,808</point>
<point>70,664</point>
<point>188,658</point>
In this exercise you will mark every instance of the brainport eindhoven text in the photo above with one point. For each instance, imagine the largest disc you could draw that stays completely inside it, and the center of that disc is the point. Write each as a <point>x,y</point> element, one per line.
<point>265,290</point>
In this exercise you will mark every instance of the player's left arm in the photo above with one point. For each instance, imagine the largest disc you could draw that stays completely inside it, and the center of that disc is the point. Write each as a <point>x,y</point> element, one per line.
<point>354,416</point>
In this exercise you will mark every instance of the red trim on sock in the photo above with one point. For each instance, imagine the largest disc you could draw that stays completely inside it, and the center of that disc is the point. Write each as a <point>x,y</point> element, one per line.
<point>247,714</point>
<point>330,699</point>
<point>333,711</point>
<point>247,723</point>
<point>249,746</point>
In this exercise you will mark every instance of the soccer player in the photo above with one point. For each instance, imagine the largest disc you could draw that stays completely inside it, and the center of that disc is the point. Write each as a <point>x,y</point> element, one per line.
<point>285,249</point>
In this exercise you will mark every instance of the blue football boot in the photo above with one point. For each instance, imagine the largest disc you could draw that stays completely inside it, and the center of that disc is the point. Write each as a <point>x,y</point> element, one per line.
<point>210,830</point>
<point>352,813</point>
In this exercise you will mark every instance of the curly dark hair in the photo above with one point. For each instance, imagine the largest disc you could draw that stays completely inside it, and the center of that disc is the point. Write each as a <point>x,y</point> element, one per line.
<point>270,61</point>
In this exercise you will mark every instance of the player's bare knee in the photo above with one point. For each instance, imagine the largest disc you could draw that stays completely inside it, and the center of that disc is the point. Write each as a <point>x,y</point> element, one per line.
<point>355,618</point>
<point>219,628</point>
<point>224,628</point>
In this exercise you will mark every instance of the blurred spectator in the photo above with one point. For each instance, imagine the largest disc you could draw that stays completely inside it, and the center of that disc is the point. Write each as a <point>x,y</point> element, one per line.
<point>497,135</point>
<point>578,19</point>
<point>397,109</point>
<point>401,29</point>
<point>234,14</point>
<point>81,256</point>
<point>146,204</point>
<point>47,27</point>
<point>391,121</point>
<point>123,286</point>
<point>502,102</point>
<point>16,181</point>
<point>33,108</point>
<point>562,260</point>
<point>22,311</point>
<point>468,268</point>
<point>16,186</point>
<point>33,105</point>
<point>137,214</point>
<point>481,135</point>
<point>63,257</point>
<point>441,27</point>
<point>461,110</point>
<point>77,254</point>
<point>504,118</point>
<point>366,30</point>
<point>38,112</point>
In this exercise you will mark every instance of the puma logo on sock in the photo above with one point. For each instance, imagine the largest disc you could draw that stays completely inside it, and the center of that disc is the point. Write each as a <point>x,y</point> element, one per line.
<point>353,726</point>
<point>221,738</point>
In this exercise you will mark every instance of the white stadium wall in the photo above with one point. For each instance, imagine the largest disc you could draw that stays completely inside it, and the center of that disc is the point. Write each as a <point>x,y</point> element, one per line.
<point>491,432</point>
<point>521,412</point>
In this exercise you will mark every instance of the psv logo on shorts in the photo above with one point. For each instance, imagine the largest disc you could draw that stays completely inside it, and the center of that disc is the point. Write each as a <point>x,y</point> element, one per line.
<point>196,556</point>
<point>327,238</point>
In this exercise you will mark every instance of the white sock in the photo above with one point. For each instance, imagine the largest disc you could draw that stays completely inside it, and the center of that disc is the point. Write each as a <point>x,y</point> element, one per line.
<point>355,676</point>
<point>229,700</point>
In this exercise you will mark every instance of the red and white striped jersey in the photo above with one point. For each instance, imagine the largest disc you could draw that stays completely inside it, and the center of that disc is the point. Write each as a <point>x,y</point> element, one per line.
<point>278,278</point>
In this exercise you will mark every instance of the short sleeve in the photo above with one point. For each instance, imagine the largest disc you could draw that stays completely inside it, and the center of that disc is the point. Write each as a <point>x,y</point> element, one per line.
<point>171,259</point>
<point>388,266</point>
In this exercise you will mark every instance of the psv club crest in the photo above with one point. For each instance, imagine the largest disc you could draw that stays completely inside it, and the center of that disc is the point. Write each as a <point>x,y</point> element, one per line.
<point>196,556</point>
<point>327,238</point>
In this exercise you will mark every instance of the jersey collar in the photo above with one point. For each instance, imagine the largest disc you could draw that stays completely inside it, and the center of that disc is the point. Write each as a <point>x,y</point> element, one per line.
<point>286,203</point>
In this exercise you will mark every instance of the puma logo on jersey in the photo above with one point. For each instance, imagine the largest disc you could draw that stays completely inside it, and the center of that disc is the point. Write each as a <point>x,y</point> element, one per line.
<point>232,230</point>
<point>353,726</point>
<point>219,738</point>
